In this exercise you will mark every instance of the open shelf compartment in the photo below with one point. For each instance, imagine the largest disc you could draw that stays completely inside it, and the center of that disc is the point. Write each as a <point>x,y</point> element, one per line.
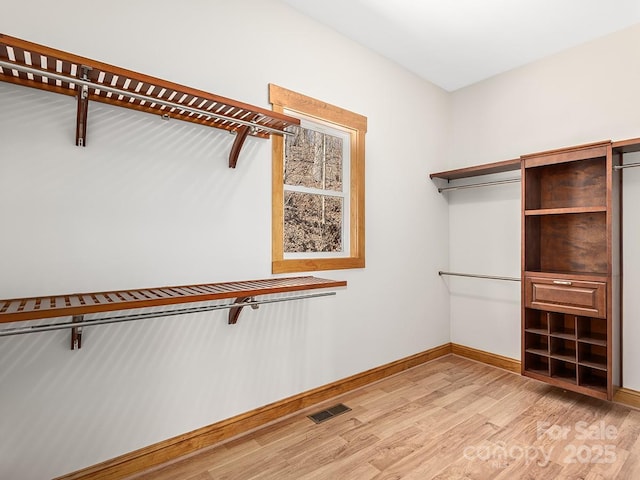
<point>538,344</point>
<point>562,349</point>
<point>536,321</point>
<point>538,364</point>
<point>592,356</point>
<point>592,330</point>
<point>563,370</point>
<point>567,185</point>
<point>550,249</point>
<point>562,325</point>
<point>595,379</point>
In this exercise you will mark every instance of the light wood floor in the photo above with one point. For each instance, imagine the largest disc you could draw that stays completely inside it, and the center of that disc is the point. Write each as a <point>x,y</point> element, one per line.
<point>451,418</point>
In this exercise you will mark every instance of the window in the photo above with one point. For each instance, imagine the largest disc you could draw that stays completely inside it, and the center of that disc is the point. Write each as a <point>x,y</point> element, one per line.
<point>318,186</point>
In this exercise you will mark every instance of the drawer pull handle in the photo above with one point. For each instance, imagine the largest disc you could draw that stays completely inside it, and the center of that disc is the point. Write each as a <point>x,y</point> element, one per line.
<point>562,282</point>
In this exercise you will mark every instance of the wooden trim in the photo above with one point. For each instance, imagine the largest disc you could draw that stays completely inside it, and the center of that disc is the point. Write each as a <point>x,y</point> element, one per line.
<point>356,126</point>
<point>580,152</point>
<point>315,108</point>
<point>628,397</point>
<point>477,170</point>
<point>493,359</point>
<point>316,264</point>
<point>162,452</point>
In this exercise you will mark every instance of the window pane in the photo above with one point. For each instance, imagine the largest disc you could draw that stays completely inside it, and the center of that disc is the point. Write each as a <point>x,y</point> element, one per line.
<point>312,223</point>
<point>313,159</point>
<point>333,163</point>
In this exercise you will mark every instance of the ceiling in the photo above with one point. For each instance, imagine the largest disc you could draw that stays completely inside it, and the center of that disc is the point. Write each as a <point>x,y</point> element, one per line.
<point>455,43</point>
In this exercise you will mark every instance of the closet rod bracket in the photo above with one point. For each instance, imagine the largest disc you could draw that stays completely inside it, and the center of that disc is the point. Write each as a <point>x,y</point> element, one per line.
<point>76,332</point>
<point>241,136</point>
<point>83,108</point>
<point>234,312</point>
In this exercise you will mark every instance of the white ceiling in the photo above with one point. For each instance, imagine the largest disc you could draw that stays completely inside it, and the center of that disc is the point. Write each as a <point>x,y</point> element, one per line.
<point>455,43</point>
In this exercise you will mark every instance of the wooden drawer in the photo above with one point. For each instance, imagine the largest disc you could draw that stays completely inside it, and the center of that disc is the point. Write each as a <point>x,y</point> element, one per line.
<point>566,296</point>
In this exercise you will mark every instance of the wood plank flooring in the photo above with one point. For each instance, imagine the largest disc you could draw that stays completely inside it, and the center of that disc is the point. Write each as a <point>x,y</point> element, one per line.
<point>451,418</point>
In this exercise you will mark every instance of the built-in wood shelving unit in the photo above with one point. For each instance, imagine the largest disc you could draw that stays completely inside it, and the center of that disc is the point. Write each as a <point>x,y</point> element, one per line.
<point>38,66</point>
<point>570,268</point>
<point>571,271</point>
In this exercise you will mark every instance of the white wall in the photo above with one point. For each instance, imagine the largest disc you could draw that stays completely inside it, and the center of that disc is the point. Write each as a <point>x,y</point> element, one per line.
<point>582,95</point>
<point>631,274</point>
<point>151,203</point>
<point>484,233</point>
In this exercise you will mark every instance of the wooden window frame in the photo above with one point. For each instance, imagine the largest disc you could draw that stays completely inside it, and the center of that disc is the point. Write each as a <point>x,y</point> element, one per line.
<point>281,100</point>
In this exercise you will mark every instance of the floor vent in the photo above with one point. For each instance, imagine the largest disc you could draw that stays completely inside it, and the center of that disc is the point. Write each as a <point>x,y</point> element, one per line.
<point>325,415</point>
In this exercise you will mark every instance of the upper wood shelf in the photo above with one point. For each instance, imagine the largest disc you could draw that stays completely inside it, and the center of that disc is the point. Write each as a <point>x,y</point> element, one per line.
<point>32,65</point>
<point>477,170</point>
<point>22,309</point>
<point>622,146</point>
<point>626,146</point>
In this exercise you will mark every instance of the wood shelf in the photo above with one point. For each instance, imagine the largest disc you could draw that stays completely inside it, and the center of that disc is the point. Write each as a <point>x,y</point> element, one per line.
<point>585,276</point>
<point>568,377</point>
<point>539,372</point>
<point>565,357</point>
<point>597,364</point>
<point>600,341</point>
<point>537,331</point>
<point>22,309</point>
<point>37,66</point>
<point>78,304</point>
<point>538,351</point>
<point>565,335</point>
<point>565,211</point>
<point>478,170</point>
<point>626,146</point>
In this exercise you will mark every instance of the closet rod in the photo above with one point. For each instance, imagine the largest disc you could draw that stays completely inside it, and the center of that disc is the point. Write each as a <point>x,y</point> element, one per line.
<point>474,275</point>
<point>473,185</point>
<point>143,316</point>
<point>137,96</point>
<point>628,165</point>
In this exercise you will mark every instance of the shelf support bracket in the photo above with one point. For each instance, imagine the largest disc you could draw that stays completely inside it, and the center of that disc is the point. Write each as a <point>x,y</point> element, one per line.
<point>234,312</point>
<point>76,332</point>
<point>241,135</point>
<point>83,108</point>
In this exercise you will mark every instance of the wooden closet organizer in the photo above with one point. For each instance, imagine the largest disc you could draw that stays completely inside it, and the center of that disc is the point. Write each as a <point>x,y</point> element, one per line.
<point>571,270</point>
<point>37,66</point>
<point>78,304</point>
